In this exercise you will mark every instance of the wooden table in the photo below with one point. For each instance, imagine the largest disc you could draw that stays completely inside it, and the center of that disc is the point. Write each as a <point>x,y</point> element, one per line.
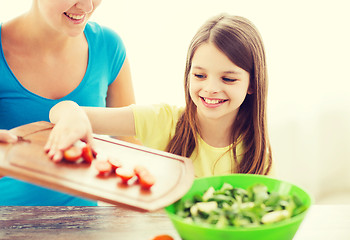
<point>99,223</point>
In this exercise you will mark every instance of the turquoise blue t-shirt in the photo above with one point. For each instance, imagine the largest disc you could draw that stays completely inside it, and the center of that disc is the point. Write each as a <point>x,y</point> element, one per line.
<point>18,106</point>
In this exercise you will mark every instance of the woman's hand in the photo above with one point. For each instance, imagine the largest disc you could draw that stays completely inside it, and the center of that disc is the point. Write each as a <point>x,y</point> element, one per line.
<point>7,137</point>
<point>71,125</point>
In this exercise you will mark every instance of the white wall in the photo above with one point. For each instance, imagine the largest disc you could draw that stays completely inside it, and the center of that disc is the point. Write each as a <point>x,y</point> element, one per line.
<point>308,48</point>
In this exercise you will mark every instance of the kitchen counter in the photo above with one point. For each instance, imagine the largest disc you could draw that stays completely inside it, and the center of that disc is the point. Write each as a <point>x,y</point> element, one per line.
<point>110,222</point>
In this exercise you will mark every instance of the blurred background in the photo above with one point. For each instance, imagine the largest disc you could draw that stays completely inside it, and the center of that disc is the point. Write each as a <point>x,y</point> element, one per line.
<point>308,51</point>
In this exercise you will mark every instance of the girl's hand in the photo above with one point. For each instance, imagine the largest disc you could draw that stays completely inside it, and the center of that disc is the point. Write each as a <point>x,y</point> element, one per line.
<point>71,125</point>
<point>7,137</point>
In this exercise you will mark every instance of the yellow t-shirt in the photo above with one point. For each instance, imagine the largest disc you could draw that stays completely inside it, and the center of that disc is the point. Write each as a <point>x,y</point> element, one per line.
<point>155,126</point>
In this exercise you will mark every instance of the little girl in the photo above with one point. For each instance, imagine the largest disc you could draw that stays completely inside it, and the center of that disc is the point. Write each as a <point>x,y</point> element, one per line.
<point>223,126</point>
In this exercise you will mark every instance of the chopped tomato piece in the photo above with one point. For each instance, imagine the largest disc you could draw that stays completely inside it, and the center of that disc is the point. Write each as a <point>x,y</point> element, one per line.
<point>114,162</point>
<point>72,154</point>
<point>125,174</point>
<point>140,170</point>
<point>146,179</point>
<point>103,167</point>
<point>87,154</point>
<point>163,237</point>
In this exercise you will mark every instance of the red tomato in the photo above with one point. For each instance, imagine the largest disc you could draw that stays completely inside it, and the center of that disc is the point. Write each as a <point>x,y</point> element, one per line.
<point>140,170</point>
<point>124,173</point>
<point>162,237</point>
<point>87,154</point>
<point>103,167</point>
<point>146,179</point>
<point>72,154</point>
<point>114,162</point>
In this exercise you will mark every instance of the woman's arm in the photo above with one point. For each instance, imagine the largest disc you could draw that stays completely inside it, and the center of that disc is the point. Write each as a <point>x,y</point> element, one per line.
<point>121,92</point>
<point>73,123</point>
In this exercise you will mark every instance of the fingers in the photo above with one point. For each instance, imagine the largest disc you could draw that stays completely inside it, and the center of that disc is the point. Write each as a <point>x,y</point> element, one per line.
<point>8,137</point>
<point>57,157</point>
<point>61,138</point>
<point>52,146</point>
<point>70,127</point>
<point>89,139</point>
<point>57,143</point>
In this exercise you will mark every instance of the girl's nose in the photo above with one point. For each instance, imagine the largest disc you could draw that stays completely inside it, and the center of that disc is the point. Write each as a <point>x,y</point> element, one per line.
<point>85,5</point>
<point>212,85</point>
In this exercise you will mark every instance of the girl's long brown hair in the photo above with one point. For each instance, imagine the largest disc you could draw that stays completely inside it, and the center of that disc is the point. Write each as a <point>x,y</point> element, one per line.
<point>240,41</point>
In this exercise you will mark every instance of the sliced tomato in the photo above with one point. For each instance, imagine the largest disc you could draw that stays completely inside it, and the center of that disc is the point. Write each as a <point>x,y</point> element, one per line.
<point>140,170</point>
<point>125,174</point>
<point>87,153</point>
<point>103,167</point>
<point>163,237</point>
<point>72,154</point>
<point>114,162</point>
<point>146,179</point>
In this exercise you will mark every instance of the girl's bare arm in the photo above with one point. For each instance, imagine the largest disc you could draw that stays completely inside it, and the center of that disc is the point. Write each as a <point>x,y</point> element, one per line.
<point>73,123</point>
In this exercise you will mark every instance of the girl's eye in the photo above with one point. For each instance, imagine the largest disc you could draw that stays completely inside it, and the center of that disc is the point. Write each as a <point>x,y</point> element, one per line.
<point>201,76</point>
<point>225,79</point>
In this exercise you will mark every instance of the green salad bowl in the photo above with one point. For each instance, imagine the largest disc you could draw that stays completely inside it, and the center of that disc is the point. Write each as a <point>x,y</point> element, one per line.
<point>282,230</point>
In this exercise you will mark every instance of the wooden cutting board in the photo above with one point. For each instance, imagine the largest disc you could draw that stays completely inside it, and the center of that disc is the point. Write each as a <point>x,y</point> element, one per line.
<point>26,160</point>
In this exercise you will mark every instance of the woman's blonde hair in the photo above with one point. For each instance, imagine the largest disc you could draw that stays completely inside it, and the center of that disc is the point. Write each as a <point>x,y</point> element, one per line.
<point>240,41</point>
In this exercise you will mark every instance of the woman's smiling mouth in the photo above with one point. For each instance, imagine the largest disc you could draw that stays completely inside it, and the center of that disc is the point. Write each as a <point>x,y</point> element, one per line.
<point>75,17</point>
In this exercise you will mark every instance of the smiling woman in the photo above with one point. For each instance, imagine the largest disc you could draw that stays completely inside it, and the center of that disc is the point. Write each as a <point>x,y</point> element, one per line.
<point>61,16</point>
<point>49,54</point>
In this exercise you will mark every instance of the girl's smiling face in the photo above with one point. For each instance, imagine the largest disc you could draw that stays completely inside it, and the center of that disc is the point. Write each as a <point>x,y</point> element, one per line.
<point>68,16</point>
<point>217,86</point>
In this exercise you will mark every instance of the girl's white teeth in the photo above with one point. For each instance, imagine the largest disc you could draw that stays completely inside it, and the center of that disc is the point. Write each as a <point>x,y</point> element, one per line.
<point>75,17</point>
<point>213,101</point>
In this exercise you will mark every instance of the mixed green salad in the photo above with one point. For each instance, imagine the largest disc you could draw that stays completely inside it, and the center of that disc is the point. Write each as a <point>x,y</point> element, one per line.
<point>229,206</point>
